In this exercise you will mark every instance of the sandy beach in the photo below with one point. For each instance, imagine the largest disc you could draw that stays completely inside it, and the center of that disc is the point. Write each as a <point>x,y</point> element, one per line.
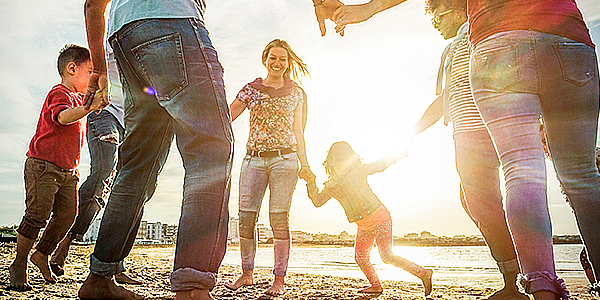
<point>153,265</point>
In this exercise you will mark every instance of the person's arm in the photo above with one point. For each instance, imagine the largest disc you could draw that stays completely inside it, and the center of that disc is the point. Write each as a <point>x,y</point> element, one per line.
<point>94,25</point>
<point>318,199</point>
<point>324,10</point>
<point>71,115</point>
<point>237,108</point>
<point>350,14</point>
<point>433,113</point>
<point>305,172</point>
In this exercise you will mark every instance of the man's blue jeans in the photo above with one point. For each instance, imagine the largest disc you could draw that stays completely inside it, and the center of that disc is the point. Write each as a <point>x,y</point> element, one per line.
<point>516,76</point>
<point>104,133</point>
<point>173,85</point>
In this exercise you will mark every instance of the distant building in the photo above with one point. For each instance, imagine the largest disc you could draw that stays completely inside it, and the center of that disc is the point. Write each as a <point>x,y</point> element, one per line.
<point>142,231</point>
<point>169,233</point>
<point>411,235</point>
<point>154,231</point>
<point>301,237</point>
<point>234,230</point>
<point>263,233</point>
<point>426,234</point>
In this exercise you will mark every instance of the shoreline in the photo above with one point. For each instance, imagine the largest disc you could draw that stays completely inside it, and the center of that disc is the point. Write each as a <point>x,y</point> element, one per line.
<point>153,264</point>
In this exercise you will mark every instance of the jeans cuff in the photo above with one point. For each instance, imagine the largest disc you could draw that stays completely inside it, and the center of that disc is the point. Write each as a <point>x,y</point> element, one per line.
<point>508,266</point>
<point>28,231</point>
<point>105,269</point>
<point>544,281</point>
<point>185,279</point>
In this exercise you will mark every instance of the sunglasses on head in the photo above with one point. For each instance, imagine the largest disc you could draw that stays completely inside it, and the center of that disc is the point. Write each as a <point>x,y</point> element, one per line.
<point>437,19</point>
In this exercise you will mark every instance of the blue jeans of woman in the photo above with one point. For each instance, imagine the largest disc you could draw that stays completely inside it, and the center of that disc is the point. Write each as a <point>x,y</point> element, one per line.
<point>477,165</point>
<point>104,132</point>
<point>516,76</point>
<point>280,174</point>
<point>173,86</point>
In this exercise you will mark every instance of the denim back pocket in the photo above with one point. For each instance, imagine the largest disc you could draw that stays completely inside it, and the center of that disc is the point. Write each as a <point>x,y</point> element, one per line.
<point>496,69</point>
<point>162,61</point>
<point>577,62</point>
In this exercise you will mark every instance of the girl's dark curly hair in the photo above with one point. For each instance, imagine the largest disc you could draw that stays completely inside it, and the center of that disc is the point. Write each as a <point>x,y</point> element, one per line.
<point>432,5</point>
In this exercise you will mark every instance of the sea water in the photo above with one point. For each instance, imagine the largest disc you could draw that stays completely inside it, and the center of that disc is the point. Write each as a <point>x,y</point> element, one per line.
<point>454,265</point>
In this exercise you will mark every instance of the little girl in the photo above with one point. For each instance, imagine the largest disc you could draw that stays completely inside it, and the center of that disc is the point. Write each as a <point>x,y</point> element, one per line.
<point>348,184</point>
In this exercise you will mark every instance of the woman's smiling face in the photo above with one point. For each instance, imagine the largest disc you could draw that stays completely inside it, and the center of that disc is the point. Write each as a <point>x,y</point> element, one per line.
<point>277,62</point>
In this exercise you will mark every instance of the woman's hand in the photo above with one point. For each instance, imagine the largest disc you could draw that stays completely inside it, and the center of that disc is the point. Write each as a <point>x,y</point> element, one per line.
<point>350,14</point>
<point>324,10</point>
<point>306,174</point>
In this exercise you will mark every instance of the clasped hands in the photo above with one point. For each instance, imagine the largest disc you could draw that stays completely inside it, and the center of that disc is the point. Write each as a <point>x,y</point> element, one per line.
<point>340,13</point>
<point>97,96</point>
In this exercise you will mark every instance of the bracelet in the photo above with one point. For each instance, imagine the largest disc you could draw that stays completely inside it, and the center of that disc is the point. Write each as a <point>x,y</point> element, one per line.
<point>319,2</point>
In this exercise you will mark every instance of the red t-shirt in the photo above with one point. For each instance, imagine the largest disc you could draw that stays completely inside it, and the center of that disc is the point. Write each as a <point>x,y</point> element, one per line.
<point>54,142</point>
<point>558,17</point>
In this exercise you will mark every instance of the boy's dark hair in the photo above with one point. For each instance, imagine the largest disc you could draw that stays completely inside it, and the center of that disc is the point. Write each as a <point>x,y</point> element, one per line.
<point>72,53</point>
<point>432,5</point>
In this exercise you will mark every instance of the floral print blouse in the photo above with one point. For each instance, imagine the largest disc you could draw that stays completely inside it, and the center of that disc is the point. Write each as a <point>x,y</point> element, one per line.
<point>271,118</point>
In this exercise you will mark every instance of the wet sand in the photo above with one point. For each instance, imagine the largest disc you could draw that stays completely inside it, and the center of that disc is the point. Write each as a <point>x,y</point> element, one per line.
<point>153,265</point>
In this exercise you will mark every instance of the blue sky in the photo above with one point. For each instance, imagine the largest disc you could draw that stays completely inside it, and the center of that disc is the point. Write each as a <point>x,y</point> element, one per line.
<point>367,88</point>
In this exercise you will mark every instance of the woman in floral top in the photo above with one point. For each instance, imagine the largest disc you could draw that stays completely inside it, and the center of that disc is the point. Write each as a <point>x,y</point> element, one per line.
<point>275,145</point>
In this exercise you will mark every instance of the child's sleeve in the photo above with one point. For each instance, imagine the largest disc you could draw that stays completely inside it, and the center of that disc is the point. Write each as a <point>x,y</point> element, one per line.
<point>378,166</point>
<point>58,101</point>
<point>318,199</point>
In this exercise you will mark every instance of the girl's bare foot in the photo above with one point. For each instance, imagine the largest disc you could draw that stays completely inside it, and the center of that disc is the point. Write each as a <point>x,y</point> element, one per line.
<point>40,260</point>
<point>427,284</point>
<point>373,289</point>
<point>193,295</point>
<point>247,278</point>
<point>278,287</point>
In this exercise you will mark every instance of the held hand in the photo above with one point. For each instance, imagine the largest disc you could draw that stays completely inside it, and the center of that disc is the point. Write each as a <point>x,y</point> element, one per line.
<point>306,174</point>
<point>350,14</point>
<point>324,10</point>
<point>97,83</point>
<point>101,100</point>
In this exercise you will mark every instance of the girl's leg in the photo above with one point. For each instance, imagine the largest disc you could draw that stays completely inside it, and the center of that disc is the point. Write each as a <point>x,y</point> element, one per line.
<point>383,236</point>
<point>362,251</point>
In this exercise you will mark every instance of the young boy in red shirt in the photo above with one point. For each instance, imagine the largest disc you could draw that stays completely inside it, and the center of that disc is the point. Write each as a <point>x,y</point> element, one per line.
<point>51,173</point>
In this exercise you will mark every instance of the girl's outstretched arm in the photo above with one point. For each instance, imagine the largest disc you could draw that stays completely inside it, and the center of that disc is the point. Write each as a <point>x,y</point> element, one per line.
<point>318,199</point>
<point>379,165</point>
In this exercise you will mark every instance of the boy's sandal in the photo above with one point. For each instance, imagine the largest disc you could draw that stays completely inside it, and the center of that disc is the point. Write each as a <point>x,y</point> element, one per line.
<point>24,287</point>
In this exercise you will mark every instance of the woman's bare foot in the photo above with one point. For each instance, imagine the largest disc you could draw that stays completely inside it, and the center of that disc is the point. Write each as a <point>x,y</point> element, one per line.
<point>122,278</point>
<point>427,284</point>
<point>18,277</point>
<point>505,294</point>
<point>99,287</point>
<point>278,287</point>
<point>373,289</point>
<point>40,260</point>
<point>193,295</point>
<point>247,278</point>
